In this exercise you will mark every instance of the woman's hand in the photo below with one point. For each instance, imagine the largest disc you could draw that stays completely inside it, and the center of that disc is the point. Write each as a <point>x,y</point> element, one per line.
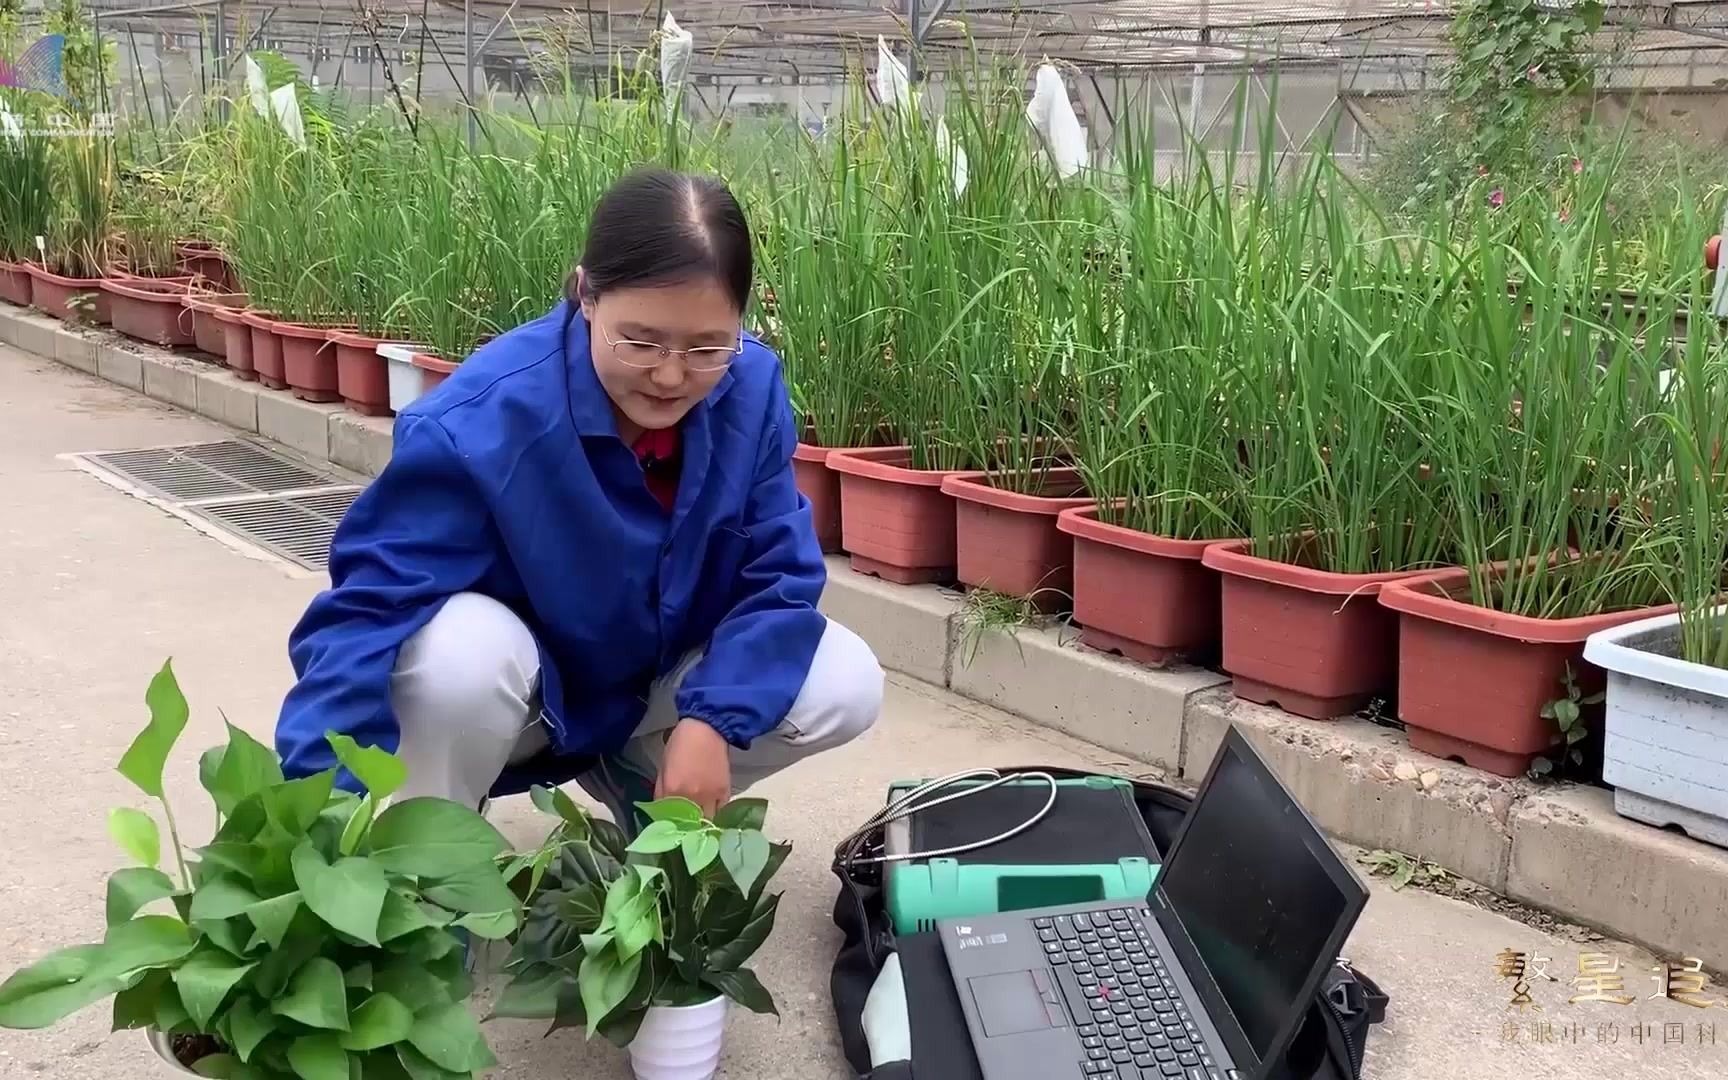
<point>698,766</point>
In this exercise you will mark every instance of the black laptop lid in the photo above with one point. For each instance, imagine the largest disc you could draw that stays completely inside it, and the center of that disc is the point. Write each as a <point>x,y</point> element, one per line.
<point>1256,904</point>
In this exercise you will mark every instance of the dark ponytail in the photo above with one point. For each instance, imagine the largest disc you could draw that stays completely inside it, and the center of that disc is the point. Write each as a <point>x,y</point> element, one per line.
<point>656,227</point>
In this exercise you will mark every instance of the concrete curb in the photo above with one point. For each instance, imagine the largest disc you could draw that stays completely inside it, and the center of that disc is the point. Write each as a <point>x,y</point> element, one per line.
<point>1559,848</point>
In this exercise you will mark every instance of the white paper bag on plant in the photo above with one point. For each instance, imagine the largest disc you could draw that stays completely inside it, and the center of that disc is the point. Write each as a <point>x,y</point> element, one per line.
<point>10,125</point>
<point>286,105</point>
<point>955,153</point>
<point>257,87</point>
<point>677,45</point>
<point>1053,115</point>
<point>894,87</point>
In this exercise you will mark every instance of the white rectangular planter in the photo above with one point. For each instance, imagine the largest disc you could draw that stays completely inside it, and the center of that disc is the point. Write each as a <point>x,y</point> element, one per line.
<point>407,382</point>
<point>1666,748</point>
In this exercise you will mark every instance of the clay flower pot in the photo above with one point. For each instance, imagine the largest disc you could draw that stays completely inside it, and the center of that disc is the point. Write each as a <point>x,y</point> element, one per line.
<point>821,485</point>
<point>895,521</point>
<point>55,295</point>
<point>1149,598</point>
<point>1473,681</point>
<point>309,360</point>
<point>208,333</point>
<point>206,263</point>
<point>1008,542</point>
<point>1312,642</point>
<point>236,341</point>
<point>362,377</point>
<point>266,350</point>
<point>149,310</point>
<point>15,282</point>
<point>435,368</point>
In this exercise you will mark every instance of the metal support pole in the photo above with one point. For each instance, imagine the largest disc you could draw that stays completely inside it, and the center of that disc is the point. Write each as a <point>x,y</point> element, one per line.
<point>221,46</point>
<point>468,65</point>
<point>912,65</point>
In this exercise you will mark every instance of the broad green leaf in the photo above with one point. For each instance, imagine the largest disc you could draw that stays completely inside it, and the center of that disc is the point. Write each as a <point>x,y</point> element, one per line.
<point>433,838</point>
<point>744,814</point>
<point>745,988</point>
<point>700,850</point>
<point>317,996</point>
<point>170,1013</point>
<point>450,1038</point>
<point>244,821</point>
<point>348,895</point>
<point>358,976</point>
<point>227,1067</point>
<point>731,955</point>
<point>132,888</point>
<point>493,926</point>
<point>480,888</point>
<point>419,1067</point>
<point>221,898</point>
<point>234,935</point>
<point>247,768</point>
<point>605,981</point>
<point>658,838</point>
<point>358,822</point>
<point>402,915</point>
<point>135,1006</point>
<point>318,1057</point>
<point>532,994</point>
<point>136,833</point>
<point>378,769</point>
<point>745,855</point>
<point>248,1025</point>
<point>272,917</point>
<point>143,761</point>
<point>296,804</point>
<point>583,907</point>
<point>209,764</point>
<point>638,924</point>
<point>412,985</point>
<point>204,981</point>
<point>380,1021</point>
<point>57,986</point>
<point>676,809</point>
<point>777,854</point>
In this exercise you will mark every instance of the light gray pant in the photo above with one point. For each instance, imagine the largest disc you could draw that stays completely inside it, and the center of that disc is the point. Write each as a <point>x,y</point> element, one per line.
<point>465,693</point>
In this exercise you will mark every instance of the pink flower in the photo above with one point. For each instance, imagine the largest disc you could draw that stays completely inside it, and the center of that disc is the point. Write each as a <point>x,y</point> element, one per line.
<point>1577,166</point>
<point>1497,198</point>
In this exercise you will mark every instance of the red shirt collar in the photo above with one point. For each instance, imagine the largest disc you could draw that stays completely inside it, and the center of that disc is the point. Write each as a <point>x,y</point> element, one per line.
<point>658,446</point>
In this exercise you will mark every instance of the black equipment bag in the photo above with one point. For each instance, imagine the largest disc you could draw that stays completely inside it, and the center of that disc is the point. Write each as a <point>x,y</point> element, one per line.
<point>1329,1046</point>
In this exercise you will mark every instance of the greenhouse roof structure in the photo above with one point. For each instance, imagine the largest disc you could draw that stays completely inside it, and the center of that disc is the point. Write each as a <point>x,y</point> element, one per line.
<point>795,40</point>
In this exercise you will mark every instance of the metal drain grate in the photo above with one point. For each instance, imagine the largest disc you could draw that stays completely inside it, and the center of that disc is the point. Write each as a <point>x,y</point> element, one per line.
<point>296,527</point>
<point>209,470</point>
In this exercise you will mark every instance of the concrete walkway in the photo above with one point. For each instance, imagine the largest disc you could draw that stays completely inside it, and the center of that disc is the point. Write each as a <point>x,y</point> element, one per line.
<point>97,588</point>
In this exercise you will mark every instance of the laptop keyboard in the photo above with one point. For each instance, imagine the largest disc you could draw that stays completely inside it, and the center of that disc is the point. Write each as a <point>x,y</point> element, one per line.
<point>1132,1022</point>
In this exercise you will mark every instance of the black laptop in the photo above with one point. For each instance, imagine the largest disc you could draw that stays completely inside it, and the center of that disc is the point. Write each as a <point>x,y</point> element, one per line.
<point>1208,979</point>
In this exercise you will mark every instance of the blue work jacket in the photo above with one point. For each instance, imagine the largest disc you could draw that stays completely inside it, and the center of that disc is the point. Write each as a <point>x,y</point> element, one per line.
<point>511,480</point>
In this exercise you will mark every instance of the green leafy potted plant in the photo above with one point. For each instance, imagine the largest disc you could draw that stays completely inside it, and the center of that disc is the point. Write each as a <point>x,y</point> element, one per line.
<point>77,247</point>
<point>26,206</point>
<point>147,301</point>
<point>645,941</point>
<point>317,936</point>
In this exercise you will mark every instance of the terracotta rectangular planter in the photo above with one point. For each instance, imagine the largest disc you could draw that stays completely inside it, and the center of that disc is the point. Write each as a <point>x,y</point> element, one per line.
<point>1147,597</point>
<point>362,378</point>
<point>821,486</point>
<point>266,350</point>
<point>15,282</point>
<point>237,341</point>
<point>434,369</point>
<point>207,264</point>
<point>895,521</point>
<point>1007,541</point>
<point>208,332</point>
<point>54,294</point>
<point>1312,642</point>
<point>309,360</point>
<point>1473,681</point>
<point>150,311</point>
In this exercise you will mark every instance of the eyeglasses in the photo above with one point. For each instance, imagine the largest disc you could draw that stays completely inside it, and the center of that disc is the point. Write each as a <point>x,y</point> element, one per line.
<point>646,354</point>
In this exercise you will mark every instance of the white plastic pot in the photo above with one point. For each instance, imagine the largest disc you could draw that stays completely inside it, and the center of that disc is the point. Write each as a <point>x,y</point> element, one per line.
<point>680,1043</point>
<point>407,382</point>
<point>159,1043</point>
<point>1666,745</point>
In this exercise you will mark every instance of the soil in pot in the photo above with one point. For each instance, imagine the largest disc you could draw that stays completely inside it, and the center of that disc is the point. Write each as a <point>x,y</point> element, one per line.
<point>1149,598</point>
<point>1473,681</point>
<point>266,351</point>
<point>309,361</point>
<point>15,283</point>
<point>1008,541</point>
<point>895,520</point>
<point>1311,642</point>
<point>435,369</point>
<point>362,376</point>
<point>150,311</point>
<point>820,485</point>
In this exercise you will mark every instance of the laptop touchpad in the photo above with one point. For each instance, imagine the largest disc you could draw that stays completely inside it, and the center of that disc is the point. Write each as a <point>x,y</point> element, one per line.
<point>1009,1004</point>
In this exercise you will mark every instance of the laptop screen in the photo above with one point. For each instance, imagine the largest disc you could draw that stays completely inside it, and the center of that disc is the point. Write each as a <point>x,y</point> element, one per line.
<point>1260,898</point>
